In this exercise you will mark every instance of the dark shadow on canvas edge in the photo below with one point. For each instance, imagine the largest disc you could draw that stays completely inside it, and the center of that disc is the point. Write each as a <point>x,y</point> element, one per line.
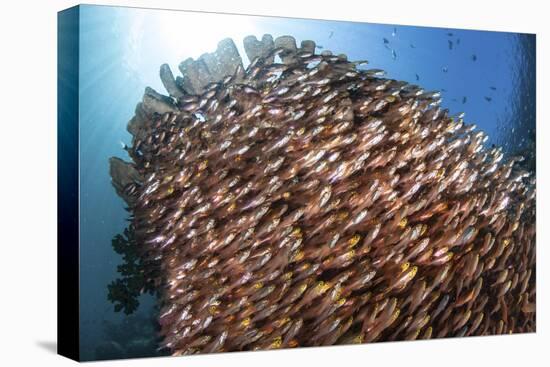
<point>48,345</point>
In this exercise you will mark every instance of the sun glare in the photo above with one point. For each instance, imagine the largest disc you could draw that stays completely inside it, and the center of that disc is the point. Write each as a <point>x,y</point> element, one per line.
<point>193,34</point>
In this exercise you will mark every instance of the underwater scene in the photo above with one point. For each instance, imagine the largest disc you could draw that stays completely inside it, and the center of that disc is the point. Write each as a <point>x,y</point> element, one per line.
<point>253,183</point>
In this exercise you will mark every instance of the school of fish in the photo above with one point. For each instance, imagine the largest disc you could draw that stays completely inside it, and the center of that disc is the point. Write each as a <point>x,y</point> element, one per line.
<point>307,200</point>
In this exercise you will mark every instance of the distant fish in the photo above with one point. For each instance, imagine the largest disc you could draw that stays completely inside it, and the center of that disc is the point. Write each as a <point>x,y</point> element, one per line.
<point>449,34</point>
<point>413,46</point>
<point>444,69</point>
<point>394,33</point>
<point>320,47</point>
<point>450,44</point>
<point>417,77</point>
<point>488,99</point>
<point>458,41</point>
<point>386,41</point>
<point>454,100</point>
<point>474,57</point>
<point>393,54</point>
<point>443,89</point>
<point>493,88</point>
<point>330,35</point>
<point>464,99</point>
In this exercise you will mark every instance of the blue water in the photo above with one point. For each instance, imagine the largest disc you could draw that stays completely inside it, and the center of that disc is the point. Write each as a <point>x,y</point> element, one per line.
<point>122,48</point>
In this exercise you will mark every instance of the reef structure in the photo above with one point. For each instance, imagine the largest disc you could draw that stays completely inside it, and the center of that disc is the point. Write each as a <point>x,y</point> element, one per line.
<point>307,200</point>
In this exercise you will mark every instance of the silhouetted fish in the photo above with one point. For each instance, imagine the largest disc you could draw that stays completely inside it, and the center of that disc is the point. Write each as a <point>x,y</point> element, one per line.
<point>450,44</point>
<point>488,99</point>
<point>474,57</point>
